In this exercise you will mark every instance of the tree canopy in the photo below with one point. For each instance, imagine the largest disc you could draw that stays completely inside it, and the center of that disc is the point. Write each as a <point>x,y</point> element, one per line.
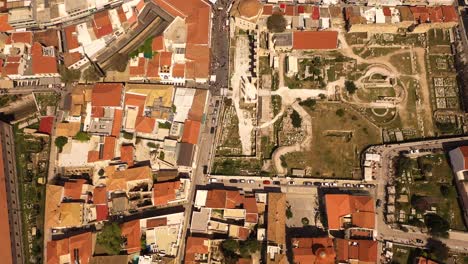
<point>119,62</point>
<point>82,136</point>
<point>437,225</point>
<point>90,74</point>
<point>276,23</point>
<point>69,75</point>
<point>437,249</point>
<point>350,87</point>
<point>296,119</point>
<point>110,238</point>
<point>60,142</point>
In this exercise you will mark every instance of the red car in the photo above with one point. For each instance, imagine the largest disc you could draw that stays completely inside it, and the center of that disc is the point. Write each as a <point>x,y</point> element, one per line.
<point>266,182</point>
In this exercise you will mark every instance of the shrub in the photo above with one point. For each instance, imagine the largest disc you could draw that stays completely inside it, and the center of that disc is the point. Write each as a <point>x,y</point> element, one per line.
<point>350,87</point>
<point>110,238</point>
<point>60,142</point>
<point>340,112</point>
<point>127,135</point>
<point>82,136</point>
<point>437,225</point>
<point>276,23</point>
<point>68,75</point>
<point>296,119</point>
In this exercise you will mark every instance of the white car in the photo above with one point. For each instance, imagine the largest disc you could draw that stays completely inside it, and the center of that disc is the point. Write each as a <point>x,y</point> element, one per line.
<point>242,181</point>
<point>325,184</point>
<point>334,184</point>
<point>347,185</point>
<point>290,182</point>
<point>250,181</point>
<point>213,180</point>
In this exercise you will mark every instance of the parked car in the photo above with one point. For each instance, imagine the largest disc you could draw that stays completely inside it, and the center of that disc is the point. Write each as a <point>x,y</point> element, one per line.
<point>334,184</point>
<point>205,169</point>
<point>213,180</point>
<point>242,181</point>
<point>290,182</point>
<point>378,203</point>
<point>233,181</point>
<point>212,130</point>
<point>419,241</point>
<point>307,183</point>
<point>276,182</point>
<point>325,184</point>
<point>361,186</point>
<point>266,182</point>
<point>317,183</point>
<point>347,185</point>
<point>250,181</point>
<point>370,185</point>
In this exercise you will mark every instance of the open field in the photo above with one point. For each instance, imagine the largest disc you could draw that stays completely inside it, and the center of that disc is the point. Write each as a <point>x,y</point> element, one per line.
<point>403,62</point>
<point>338,136</point>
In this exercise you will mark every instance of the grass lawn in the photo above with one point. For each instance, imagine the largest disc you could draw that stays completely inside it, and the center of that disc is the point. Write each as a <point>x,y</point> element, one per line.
<point>373,94</point>
<point>264,65</point>
<point>377,52</point>
<point>402,62</point>
<point>231,166</point>
<point>402,254</point>
<point>336,143</point>
<point>438,36</point>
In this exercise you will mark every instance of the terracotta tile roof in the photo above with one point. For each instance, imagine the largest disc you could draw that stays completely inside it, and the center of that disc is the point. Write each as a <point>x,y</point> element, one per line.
<point>153,67</point>
<point>100,195</point>
<point>151,223</point>
<point>450,14</point>
<point>386,11</point>
<point>420,13</point>
<point>68,129</point>
<point>315,13</point>
<point>251,218</point>
<point>276,231</point>
<point>198,105</point>
<point>158,43</point>
<point>198,26</point>
<point>126,154</point>
<point>139,69</point>
<point>178,70</point>
<point>42,63</point>
<point>244,261</point>
<point>4,25</point>
<point>165,59</point>
<point>250,205</point>
<point>233,199</point>
<point>55,249</point>
<point>93,156</point>
<point>435,14</point>
<point>308,40</point>
<point>117,180</point>
<point>361,250</point>
<point>165,192</point>
<point>191,131</point>
<point>194,246</point>
<point>198,64</point>
<point>359,207</point>
<point>71,37</point>
<point>108,151</point>
<point>11,68</point>
<point>243,233</point>
<point>107,94</point>
<point>132,99</point>
<point>145,124</point>
<point>117,123</point>
<point>83,244</point>
<point>140,6</point>
<point>45,126</point>
<point>216,199</point>
<point>313,250</point>
<point>131,231</point>
<point>102,212</point>
<point>267,10</point>
<point>71,58</point>
<point>54,195</point>
<point>289,10</point>
<point>121,13</point>
<point>97,111</point>
<point>301,9</point>
<point>73,189</point>
<point>21,37</point>
<point>102,24</point>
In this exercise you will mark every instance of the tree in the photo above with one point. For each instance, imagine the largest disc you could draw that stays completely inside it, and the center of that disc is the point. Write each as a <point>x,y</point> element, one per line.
<point>229,247</point>
<point>427,168</point>
<point>437,249</point>
<point>119,62</point>
<point>350,87</point>
<point>82,136</point>
<point>110,238</point>
<point>91,75</point>
<point>69,75</point>
<point>310,103</point>
<point>248,247</point>
<point>437,225</point>
<point>305,221</point>
<point>289,213</point>
<point>403,164</point>
<point>60,142</point>
<point>444,190</point>
<point>101,172</point>
<point>276,23</point>
<point>296,119</point>
<point>340,112</point>
<point>152,145</point>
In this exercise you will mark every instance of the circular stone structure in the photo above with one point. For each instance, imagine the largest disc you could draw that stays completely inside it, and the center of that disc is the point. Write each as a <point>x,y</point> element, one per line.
<point>249,8</point>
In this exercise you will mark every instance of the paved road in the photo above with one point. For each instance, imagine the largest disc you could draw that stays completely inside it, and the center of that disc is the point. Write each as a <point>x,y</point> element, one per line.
<point>220,46</point>
<point>457,241</point>
<point>202,158</point>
